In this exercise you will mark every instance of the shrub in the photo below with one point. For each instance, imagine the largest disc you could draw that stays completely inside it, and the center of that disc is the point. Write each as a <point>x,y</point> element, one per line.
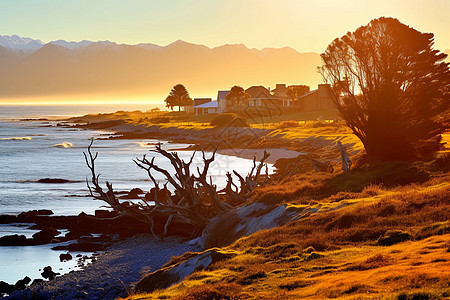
<point>229,120</point>
<point>287,124</point>
<point>161,120</point>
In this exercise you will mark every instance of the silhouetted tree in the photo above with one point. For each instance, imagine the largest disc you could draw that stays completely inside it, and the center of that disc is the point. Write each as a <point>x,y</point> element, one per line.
<point>390,86</point>
<point>178,96</point>
<point>236,96</point>
<point>294,92</point>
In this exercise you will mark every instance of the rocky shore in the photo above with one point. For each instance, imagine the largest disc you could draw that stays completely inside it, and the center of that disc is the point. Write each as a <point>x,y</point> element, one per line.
<point>113,274</point>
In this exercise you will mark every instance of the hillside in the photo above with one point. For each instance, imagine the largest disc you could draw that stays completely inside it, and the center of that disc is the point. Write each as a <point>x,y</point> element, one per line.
<point>374,233</point>
<point>107,69</point>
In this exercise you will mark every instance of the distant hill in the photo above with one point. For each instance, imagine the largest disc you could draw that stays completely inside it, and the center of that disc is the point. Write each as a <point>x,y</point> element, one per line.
<point>144,70</point>
<point>447,59</point>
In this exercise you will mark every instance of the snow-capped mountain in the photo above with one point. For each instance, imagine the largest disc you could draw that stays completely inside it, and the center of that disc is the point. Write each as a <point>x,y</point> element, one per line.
<point>20,43</point>
<point>72,45</point>
<point>31,68</point>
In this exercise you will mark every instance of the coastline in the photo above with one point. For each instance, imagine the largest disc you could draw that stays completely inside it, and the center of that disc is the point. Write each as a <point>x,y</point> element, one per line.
<point>114,272</point>
<point>240,142</point>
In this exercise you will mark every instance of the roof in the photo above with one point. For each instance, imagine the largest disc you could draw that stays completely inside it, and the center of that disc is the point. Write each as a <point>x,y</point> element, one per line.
<point>307,94</point>
<point>210,104</point>
<point>258,92</point>
<point>222,94</point>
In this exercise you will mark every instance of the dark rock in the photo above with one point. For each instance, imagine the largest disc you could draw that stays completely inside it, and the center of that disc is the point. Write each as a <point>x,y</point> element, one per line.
<point>33,213</point>
<point>37,281</point>
<point>53,180</point>
<point>102,213</point>
<point>14,240</point>
<point>392,237</point>
<point>22,283</point>
<point>45,236</point>
<point>48,273</point>
<point>133,194</point>
<point>6,288</point>
<point>65,257</point>
<point>8,219</point>
<point>172,274</point>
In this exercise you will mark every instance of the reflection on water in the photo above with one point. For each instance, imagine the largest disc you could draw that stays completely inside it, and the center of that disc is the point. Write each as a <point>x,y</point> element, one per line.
<point>30,151</point>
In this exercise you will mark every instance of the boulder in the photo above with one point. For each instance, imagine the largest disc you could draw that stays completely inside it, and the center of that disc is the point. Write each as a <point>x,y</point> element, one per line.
<point>245,220</point>
<point>14,240</point>
<point>45,236</point>
<point>133,194</point>
<point>103,213</point>
<point>22,283</point>
<point>37,281</point>
<point>34,213</point>
<point>53,180</point>
<point>48,273</point>
<point>65,257</point>
<point>6,288</point>
<point>172,274</point>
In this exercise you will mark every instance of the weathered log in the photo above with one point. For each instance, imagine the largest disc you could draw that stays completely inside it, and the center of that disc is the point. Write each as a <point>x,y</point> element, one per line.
<point>346,162</point>
<point>195,199</point>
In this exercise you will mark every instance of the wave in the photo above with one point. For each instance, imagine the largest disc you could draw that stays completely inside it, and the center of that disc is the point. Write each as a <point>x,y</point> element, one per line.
<point>63,145</point>
<point>21,138</point>
<point>143,144</point>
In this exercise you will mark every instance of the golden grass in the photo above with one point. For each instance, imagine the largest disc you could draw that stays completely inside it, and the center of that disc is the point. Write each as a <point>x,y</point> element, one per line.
<point>336,254</point>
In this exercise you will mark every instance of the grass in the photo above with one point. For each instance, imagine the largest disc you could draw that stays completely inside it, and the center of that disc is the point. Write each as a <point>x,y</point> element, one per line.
<point>338,253</point>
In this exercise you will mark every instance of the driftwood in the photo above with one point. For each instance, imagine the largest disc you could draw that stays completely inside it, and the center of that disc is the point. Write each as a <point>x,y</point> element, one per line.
<point>346,162</point>
<point>195,198</point>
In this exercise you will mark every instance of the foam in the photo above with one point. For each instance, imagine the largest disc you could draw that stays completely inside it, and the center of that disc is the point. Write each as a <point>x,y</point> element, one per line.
<point>22,138</point>
<point>63,145</point>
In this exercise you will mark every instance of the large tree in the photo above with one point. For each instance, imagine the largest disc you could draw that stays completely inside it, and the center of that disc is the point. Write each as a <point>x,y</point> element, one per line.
<point>390,86</point>
<point>178,96</point>
<point>236,96</point>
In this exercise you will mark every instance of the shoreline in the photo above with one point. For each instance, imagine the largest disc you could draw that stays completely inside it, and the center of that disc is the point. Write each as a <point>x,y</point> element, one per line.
<point>114,272</point>
<point>240,142</point>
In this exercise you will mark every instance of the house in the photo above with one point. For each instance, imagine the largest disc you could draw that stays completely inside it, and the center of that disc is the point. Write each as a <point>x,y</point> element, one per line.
<point>204,106</point>
<point>222,101</point>
<point>279,92</point>
<point>261,96</point>
<point>319,99</point>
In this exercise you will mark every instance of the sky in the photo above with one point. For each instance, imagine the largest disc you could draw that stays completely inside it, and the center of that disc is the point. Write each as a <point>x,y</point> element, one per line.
<point>307,26</point>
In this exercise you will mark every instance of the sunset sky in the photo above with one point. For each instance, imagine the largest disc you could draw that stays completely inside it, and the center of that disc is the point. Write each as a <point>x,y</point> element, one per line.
<point>303,25</point>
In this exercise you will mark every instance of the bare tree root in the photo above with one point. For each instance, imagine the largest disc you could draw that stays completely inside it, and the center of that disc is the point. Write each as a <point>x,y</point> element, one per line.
<point>195,199</point>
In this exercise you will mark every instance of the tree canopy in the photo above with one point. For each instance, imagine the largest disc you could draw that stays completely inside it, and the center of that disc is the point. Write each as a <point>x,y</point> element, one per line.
<point>178,96</point>
<point>390,86</point>
<point>236,96</point>
<point>293,92</point>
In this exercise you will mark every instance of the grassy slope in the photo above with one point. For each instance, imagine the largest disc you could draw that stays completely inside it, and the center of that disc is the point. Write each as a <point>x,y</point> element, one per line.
<point>336,254</point>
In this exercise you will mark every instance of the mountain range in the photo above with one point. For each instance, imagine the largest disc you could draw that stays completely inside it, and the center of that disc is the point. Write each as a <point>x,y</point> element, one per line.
<point>31,68</point>
<point>104,69</point>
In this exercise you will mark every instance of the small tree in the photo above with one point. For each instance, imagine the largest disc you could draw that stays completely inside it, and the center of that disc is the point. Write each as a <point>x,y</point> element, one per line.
<point>236,96</point>
<point>390,86</point>
<point>178,96</point>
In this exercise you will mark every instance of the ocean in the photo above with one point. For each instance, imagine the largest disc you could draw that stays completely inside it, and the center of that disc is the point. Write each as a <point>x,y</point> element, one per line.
<point>33,150</point>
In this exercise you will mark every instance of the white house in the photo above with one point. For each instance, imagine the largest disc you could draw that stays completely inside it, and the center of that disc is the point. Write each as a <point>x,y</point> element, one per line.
<point>221,101</point>
<point>204,106</point>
